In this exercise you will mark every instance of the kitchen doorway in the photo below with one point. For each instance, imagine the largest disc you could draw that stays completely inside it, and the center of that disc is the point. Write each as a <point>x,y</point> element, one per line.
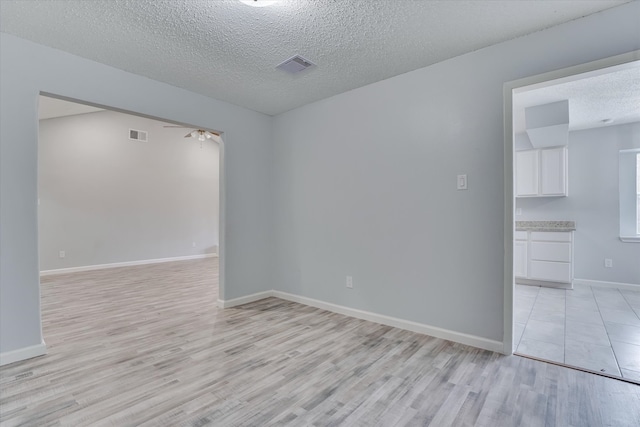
<point>561,308</point>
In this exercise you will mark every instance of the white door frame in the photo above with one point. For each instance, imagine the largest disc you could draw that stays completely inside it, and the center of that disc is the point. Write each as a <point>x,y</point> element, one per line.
<point>509,88</point>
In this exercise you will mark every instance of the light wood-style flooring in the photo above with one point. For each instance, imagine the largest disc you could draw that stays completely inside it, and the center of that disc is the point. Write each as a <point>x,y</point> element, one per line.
<point>146,346</point>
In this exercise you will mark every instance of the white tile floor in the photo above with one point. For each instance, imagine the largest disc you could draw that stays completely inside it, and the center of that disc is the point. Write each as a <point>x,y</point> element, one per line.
<point>587,327</point>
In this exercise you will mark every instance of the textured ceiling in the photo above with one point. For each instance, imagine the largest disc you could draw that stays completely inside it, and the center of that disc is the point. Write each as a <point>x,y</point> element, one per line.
<point>228,50</point>
<point>607,94</point>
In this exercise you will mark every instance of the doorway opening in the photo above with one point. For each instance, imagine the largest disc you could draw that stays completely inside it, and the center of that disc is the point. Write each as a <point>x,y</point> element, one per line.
<point>565,303</point>
<point>127,195</point>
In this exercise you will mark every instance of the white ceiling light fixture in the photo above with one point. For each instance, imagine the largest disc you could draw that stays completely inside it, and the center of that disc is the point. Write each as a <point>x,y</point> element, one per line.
<point>199,134</point>
<point>202,135</point>
<point>259,3</point>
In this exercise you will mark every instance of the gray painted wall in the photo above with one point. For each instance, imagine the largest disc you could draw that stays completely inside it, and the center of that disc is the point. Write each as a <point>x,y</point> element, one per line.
<point>106,199</point>
<point>362,183</point>
<point>593,202</point>
<point>26,69</point>
<point>366,181</point>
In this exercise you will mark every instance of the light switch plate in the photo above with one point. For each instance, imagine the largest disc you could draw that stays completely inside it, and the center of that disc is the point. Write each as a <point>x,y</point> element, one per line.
<point>462,182</point>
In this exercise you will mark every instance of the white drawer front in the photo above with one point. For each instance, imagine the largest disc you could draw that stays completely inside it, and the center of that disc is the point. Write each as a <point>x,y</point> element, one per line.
<point>551,236</point>
<point>551,251</point>
<point>520,235</point>
<point>552,271</point>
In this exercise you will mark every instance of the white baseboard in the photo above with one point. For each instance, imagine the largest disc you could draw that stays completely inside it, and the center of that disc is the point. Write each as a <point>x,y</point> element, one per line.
<point>123,264</point>
<point>23,353</point>
<point>395,322</point>
<point>408,325</point>
<point>244,300</point>
<point>602,284</point>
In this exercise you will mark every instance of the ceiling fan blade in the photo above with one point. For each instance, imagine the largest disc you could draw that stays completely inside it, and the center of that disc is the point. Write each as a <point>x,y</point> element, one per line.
<point>188,135</point>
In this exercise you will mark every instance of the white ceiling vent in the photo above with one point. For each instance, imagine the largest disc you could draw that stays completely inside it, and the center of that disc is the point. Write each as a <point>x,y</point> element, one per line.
<point>138,135</point>
<point>295,64</point>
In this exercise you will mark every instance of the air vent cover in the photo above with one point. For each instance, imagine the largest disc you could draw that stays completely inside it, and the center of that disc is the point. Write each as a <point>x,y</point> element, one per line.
<point>295,64</point>
<point>138,135</point>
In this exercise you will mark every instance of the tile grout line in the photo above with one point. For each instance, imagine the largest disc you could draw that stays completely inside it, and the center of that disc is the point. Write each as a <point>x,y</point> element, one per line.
<point>526,324</point>
<point>615,357</point>
<point>605,327</point>
<point>592,293</point>
<point>564,342</point>
<point>629,304</point>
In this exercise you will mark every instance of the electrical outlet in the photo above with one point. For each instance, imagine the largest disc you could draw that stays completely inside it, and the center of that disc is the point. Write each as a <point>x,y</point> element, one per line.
<point>518,211</point>
<point>193,244</point>
<point>349,282</point>
<point>62,254</point>
<point>608,262</point>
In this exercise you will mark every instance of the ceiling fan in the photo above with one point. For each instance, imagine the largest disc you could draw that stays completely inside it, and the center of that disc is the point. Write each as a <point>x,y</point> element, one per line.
<point>199,134</point>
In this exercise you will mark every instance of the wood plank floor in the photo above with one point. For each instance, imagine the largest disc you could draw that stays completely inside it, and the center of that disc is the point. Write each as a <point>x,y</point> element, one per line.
<point>147,346</point>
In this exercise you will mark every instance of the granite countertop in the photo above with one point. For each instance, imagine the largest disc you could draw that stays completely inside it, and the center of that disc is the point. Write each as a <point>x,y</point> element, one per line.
<point>545,225</point>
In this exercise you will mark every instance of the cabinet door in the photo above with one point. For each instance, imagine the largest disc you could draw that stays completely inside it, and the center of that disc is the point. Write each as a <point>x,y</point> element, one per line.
<point>527,173</point>
<point>551,251</point>
<point>520,258</point>
<point>553,171</point>
<point>551,271</point>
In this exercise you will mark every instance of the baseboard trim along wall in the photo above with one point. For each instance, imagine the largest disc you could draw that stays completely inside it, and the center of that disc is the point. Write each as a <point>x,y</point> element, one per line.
<point>472,340</point>
<point>23,353</point>
<point>123,264</point>
<point>602,284</point>
<point>244,300</point>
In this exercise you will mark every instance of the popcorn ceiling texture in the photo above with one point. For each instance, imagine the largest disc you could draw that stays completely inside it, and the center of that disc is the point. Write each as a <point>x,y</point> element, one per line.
<point>615,95</point>
<point>227,50</point>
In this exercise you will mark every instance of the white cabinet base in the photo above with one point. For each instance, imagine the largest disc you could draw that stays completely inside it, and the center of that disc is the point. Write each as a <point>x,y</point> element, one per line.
<point>544,259</point>
<point>552,271</point>
<point>520,258</point>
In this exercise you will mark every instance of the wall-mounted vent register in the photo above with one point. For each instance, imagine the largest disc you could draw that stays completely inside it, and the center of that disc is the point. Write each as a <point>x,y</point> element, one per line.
<point>138,135</point>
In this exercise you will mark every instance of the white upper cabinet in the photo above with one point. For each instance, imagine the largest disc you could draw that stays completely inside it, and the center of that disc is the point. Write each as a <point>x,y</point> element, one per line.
<point>541,172</point>
<point>553,171</point>
<point>527,167</point>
